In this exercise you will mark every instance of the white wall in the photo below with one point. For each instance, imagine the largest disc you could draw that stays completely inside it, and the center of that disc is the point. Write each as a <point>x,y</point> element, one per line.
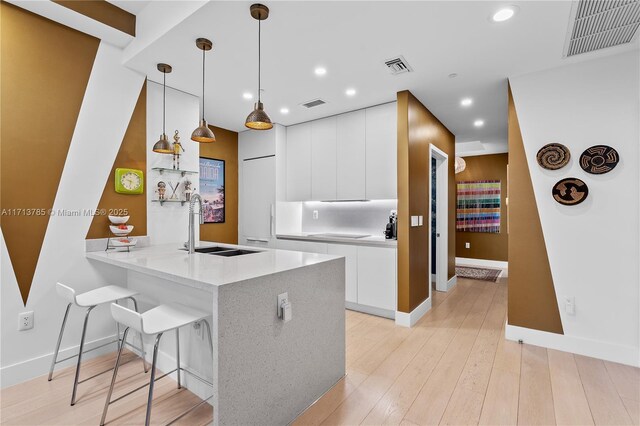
<point>168,223</point>
<point>107,106</point>
<point>593,247</point>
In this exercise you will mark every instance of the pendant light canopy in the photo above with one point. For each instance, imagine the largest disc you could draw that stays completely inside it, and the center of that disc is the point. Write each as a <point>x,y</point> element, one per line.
<point>203,133</point>
<point>163,146</point>
<point>258,119</point>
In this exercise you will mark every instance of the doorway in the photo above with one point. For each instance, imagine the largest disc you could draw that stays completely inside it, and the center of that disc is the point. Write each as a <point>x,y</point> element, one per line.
<point>438,225</point>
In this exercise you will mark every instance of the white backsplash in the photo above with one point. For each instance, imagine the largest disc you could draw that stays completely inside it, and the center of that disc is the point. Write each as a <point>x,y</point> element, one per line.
<point>355,217</point>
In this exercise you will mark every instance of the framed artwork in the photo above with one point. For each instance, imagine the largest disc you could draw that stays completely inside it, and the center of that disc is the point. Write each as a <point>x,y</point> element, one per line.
<point>212,189</point>
<point>478,206</point>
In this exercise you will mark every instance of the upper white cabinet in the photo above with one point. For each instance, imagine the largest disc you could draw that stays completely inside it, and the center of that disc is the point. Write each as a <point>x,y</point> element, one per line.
<point>323,159</point>
<point>381,152</point>
<point>351,156</point>
<point>299,162</point>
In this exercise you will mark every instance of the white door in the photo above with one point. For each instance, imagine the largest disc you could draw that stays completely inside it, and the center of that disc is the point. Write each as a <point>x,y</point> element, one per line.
<point>351,268</point>
<point>299,162</point>
<point>258,200</point>
<point>439,253</point>
<point>323,159</point>
<point>382,152</point>
<point>351,156</point>
<point>377,277</point>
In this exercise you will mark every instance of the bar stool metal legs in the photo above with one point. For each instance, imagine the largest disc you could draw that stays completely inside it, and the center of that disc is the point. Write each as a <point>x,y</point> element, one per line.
<point>77,376</point>
<point>55,354</point>
<point>153,379</point>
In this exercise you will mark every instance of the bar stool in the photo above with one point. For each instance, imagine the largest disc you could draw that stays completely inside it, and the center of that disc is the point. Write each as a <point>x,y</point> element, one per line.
<point>156,322</point>
<point>89,300</point>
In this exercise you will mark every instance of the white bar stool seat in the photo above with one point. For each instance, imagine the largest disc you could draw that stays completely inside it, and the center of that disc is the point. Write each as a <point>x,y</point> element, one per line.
<point>155,322</point>
<point>89,300</point>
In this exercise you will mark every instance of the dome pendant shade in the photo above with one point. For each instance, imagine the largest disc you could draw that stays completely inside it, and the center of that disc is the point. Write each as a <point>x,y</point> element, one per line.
<point>459,165</point>
<point>163,146</point>
<point>258,119</point>
<point>203,133</point>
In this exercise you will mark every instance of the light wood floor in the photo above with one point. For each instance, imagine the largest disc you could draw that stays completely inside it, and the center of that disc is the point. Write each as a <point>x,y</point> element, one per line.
<point>454,367</point>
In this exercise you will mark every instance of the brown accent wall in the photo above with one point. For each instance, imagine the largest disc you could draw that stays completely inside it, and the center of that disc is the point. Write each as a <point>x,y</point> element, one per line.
<point>132,155</point>
<point>417,129</point>
<point>224,148</point>
<point>532,297</point>
<point>103,11</point>
<point>486,245</point>
<point>45,69</point>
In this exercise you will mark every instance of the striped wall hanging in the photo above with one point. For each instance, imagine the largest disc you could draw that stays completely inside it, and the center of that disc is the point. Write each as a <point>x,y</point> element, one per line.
<point>478,206</point>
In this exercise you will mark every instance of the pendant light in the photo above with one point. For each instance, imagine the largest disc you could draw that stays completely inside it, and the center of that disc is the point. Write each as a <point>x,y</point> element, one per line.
<point>203,133</point>
<point>258,119</point>
<point>163,146</point>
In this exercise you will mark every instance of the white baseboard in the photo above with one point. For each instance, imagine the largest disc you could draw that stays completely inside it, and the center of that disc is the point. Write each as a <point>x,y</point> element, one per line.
<point>371,310</point>
<point>484,263</point>
<point>452,282</point>
<point>410,319</point>
<point>628,355</point>
<point>38,366</point>
<point>167,362</point>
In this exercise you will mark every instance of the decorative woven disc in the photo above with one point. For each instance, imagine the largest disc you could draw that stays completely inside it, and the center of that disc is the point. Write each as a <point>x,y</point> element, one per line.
<point>570,191</point>
<point>553,156</point>
<point>599,159</point>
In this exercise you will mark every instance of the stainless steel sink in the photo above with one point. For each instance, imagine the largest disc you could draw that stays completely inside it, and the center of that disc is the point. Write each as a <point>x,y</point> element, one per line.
<point>333,235</point>
<point>230,253</point>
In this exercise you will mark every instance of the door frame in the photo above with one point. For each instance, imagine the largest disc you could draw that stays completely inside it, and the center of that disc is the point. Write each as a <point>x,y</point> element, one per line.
<point>442,217</point>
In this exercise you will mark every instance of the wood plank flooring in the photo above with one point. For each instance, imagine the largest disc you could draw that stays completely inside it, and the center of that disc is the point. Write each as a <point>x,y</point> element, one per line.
<point>454,368</point>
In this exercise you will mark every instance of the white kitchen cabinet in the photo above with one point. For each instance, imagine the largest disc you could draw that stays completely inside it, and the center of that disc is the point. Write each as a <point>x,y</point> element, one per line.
<point>351,268</point>
<point>299,162</point>
<point>381,152</point>
<point>323,159</point>
<point>350,156</point>
<point>257,202</point>
<point>305,246</point>
<point>377,277</point>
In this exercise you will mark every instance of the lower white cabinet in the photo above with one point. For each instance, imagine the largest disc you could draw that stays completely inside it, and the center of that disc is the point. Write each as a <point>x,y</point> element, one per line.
<point>377,277</point>
<point>351,268</point>
<point>305,246</point>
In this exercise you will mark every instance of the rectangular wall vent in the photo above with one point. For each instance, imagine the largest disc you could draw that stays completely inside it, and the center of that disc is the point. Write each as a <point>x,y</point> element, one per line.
<point>398,65</point>
<point>598,24</point>
<point>313,103</point>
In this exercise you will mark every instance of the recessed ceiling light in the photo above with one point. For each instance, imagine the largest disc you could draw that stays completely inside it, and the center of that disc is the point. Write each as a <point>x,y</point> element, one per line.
<point>247,95</point>
<point>504,14</point>
<point>478,123</point>
<point>284,110</point>
<point>453,75</point>
<point>350,92</point>
<point>466,102</point>
<point>320,71</point>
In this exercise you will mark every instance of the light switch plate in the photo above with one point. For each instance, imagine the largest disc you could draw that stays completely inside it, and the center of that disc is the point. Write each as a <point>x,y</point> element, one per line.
<point>467,245</point>
<point>415,221</point>
<point>420,219</point>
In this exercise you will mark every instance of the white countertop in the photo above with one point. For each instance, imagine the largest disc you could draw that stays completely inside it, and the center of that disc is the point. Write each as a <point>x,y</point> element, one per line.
<point>365,241</point>
<point>206,271</point>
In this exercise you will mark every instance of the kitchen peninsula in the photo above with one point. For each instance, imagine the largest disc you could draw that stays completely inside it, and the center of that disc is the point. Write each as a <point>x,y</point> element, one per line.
<point>265,370</point>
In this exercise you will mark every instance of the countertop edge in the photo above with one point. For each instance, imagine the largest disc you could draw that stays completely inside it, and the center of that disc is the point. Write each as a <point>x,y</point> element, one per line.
<point>348,241</point>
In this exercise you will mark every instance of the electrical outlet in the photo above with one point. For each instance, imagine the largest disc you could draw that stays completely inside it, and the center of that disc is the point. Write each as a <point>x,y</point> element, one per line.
<point>198,329</point>
<point>25,321</point>
<point>315,214</point>
<point>570,305</point>
<point>467,245</point>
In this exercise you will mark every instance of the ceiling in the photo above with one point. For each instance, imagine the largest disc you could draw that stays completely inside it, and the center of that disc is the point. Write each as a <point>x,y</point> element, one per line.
<point>131,6</point>
<point>352,40</point>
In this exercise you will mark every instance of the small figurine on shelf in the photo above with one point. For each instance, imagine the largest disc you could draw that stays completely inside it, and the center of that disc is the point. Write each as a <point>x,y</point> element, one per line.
<point>187,190</point>
<point>177,147</point>
<point>162,188</point>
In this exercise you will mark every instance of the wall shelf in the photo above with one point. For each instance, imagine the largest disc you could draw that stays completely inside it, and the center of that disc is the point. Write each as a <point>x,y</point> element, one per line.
<point>162,170</point>
<point>169,201</point>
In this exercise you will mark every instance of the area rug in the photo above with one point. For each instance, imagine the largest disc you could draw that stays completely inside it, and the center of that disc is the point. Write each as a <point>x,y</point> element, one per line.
<point>482,274</point>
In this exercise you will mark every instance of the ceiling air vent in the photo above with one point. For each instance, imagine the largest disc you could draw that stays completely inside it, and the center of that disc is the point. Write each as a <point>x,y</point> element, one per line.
<point>598,24</point>
<point>398,65</point>
<point>313,103</point>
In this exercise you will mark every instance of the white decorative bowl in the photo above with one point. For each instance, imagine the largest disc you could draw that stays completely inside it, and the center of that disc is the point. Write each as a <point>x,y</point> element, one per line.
<point>123,242</point>
<point>121,232</point>
<point>118,220</point>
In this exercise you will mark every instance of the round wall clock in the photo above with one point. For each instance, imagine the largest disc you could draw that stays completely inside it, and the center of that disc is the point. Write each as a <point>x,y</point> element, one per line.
<point>570,191</point>
<point>129,181</point>
<point>599,159</point>
<point>553,156</point>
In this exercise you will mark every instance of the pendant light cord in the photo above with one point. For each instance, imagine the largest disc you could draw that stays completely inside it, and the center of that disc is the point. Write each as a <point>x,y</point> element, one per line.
<point>203,84</point>
<point>164,100</point>
<point>259,55</point>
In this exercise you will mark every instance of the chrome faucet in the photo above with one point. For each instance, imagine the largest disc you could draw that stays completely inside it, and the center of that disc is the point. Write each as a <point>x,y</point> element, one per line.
<point>191,243</point>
